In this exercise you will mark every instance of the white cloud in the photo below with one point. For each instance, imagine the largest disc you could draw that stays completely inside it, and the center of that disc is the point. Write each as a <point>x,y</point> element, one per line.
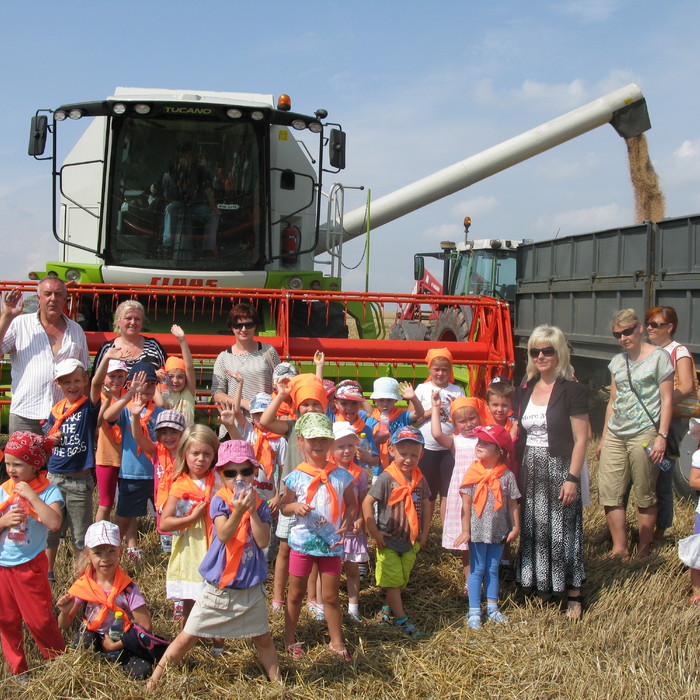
<point>443,232</point>
<point>574,221</point>
<point>476,207</point>
<point>683,166</point>
<point>589,11</point>
<point>563,96</point>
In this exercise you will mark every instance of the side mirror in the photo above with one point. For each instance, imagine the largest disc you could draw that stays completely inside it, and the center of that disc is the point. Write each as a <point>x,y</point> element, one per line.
<point>336,146</point>
<point>418,267</point>
<point>37,135</point>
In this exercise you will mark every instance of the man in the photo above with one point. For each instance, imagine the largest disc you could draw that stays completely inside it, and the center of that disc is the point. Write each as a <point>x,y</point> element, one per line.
<point>37,343</point>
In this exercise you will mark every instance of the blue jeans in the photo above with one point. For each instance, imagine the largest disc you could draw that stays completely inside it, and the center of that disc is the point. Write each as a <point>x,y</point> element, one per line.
<point>483,569</point>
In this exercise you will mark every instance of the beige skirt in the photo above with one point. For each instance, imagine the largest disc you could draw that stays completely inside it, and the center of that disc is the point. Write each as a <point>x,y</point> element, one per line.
<point>229,613</point>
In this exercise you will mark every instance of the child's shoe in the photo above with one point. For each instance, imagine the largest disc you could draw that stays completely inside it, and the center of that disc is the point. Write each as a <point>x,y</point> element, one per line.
<point>408,628</point>
<point>474,619</point>
<point>497,616</point>
<point>135,554</point>
<point>178,609</point>
<point>354,617</point>
<point>277,606</point>
<point>384,615</point>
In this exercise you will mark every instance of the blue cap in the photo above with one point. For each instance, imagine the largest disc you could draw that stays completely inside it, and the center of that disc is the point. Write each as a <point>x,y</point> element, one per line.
<point>146,367</point>
<point>407,432</point>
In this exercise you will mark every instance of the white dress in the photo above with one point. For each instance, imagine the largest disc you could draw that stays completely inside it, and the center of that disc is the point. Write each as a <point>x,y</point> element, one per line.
<point>464,449</point>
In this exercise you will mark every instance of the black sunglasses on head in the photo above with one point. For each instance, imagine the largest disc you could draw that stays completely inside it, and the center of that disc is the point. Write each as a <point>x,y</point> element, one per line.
<point>654,324</point>
<point>625,332</point>
<point>233,473</point>
<point>243,324</point>
<point>547,351</point>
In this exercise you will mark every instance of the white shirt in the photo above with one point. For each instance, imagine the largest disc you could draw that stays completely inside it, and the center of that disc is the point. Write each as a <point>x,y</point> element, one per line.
<point>424,393</point>
<point>34,391</point>
<point>534,422</point>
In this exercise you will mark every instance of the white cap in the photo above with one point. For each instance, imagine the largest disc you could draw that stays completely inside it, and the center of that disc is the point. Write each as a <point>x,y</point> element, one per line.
<point>115,365</point>
<point>102,532</point>
<point>65,367</point>
<point>342,429</point>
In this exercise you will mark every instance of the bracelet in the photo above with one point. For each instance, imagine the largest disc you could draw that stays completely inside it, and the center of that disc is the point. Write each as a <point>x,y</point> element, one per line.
<point>572,478</point>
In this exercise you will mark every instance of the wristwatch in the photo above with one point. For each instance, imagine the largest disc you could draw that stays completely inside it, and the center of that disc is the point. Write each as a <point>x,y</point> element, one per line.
<point>664,435</point>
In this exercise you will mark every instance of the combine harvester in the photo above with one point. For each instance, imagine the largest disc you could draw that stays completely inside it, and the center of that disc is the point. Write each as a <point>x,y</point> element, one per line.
<point>191,201</point>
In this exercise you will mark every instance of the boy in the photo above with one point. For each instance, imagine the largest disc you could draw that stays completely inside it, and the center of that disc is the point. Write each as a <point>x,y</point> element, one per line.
<point>499,399</point>
<point>401,525</point>
<point>136,471</point>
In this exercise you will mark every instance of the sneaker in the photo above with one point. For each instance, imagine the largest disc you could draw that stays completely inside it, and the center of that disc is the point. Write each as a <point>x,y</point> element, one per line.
<point>474,620</point>
<point>134,553</point>
<point>497,616</point>
<point>354,617</point>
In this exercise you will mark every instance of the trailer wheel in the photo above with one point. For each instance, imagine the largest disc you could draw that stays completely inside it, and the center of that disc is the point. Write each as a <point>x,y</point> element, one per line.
<point>409,330</point>
<point>681,469</point>
<point>452,326</point>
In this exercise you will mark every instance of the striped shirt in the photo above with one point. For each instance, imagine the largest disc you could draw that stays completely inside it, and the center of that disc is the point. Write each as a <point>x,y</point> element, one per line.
<point>34,391</point>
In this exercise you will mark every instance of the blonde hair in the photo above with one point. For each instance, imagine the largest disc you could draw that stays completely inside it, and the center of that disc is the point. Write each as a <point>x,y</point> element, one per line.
<point>625,317</point>
<point>124,308</point>
<point>195,433</point>
<point>545,335</point>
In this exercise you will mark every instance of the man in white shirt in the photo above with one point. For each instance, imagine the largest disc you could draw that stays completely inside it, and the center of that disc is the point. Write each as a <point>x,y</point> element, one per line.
<point>36,344</point>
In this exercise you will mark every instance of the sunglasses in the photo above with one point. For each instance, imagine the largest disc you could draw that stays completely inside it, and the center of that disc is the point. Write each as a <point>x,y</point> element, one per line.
<point>626,332</point>
<point>654,324</point>
<point>233,473</point>
<point>248,325</point>
<point>548,351</point>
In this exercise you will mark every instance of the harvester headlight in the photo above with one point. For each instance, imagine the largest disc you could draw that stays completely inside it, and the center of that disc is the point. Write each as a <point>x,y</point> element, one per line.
<point>142,108</point>
<point>234,113</point>
<point>295,283</point>
<point>59,115</point>
<point>299,124</point>
<point>119,108</point>
<point>257,115</point>
<point>315,284</point>
<point>73,275</point>
<point>315,127</point>
<point>75,113</point>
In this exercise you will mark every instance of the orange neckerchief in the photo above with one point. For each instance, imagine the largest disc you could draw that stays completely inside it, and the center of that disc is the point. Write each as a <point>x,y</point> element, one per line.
<point>321,476</point>
<point>185,487</point>
<point>234,546</point>
<point>87,589</point>
<point>39,484</point>
<point>404,493</point>
<point>165,482</point>
<point>285,411</point>
<point>487,479</point>
<point>384,457</point>
<point>263,450</point>
<point>113,432</point>
<point>358,425</point>
<point>144,422</point>
<point>58,412</point>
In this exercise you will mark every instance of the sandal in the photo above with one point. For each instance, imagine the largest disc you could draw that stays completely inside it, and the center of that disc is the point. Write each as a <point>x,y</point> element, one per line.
<point>295,650</point>
<point>277,606</point>
<point>408,628</point>
<point>343,653</point>
<point>384,615</point>
<point>572,613</point>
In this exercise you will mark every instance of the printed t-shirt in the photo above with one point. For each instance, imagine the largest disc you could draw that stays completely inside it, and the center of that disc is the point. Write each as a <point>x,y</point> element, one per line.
<point>76,451</point>
<point>128,600</point>
<point>135,465</point>
<point>401,421</point>
<point>424,392</point>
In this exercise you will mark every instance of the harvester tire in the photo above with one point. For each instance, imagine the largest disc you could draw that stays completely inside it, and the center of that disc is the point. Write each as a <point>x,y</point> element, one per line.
<point>409,330</point>
<point>452,326</point>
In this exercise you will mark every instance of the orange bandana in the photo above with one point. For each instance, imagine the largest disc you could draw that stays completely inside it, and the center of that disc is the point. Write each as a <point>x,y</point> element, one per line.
<point>58,413</point>
<point>486,479</point>
<point>263,450</point>
<point>439,352</point>
<point>479,405</point>
<point>404,492</point>
<point>321,476</point>
<point>184,487</point>
<point>39,484</point>
<point>235,546</point>
<point>87,589</point>
<point>384,457</point>
<point>163,458</point>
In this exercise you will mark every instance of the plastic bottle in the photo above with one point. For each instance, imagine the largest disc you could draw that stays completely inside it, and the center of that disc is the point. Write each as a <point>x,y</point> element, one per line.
<point>383,427</point>
<point>665,464</point>
<point>364,443</point>
<point>240,487</point>
<point>184,506</point>
<point>116,629</point>
<point>326,531</point>
<point>17,533</point>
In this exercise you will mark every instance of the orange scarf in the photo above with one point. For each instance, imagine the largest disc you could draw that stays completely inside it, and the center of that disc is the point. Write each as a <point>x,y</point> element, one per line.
<point>113,432</point>
<point>234,546</point>
<point>384,457</point>
<point>144,422</point>
<point>263,450</point>
<point>486,479</point>
<point>39,484</point>
<point>58,413</point>
<point>185,487</point>
<point>358,425</point>
<point>285,411</point>
<point>404,492</point>
<point>163,458</point>
<point>87,589</point>
<point>355,469</point>
<point>321,476</point>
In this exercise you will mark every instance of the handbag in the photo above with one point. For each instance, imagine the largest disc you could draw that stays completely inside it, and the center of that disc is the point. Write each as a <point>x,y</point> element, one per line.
<point>690,406</point>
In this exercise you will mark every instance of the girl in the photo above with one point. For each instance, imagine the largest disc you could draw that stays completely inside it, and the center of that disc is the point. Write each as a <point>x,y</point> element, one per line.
<point>179,378</point>
<point>232,604</point>
<point>317,487</point>
<point>106,590</point>
<point>25,593</point>
<point>186,515</point>
<point>490,518</point>
<point>467,413</point>
<point>345,454</point>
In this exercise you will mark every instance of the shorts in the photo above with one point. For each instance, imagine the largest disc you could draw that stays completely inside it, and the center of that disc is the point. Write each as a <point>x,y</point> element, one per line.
<point>77,510</point>
<point>623,460</point>
<point>134,495</point>
<point>284,525</point>
<point>301,564</point>
<point>437,466</point>
<point>106,484</point>
<point>393,569</point>
<point>229,613</point>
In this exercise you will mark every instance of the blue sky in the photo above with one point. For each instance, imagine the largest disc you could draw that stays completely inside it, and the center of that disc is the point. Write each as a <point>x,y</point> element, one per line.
<point>416,87</point>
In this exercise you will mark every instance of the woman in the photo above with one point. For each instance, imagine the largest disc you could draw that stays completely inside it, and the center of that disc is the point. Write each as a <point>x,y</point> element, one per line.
<point>552,409</point>
<point>255,361</point>
<point>661,323</point>
<point>128,322</point>
<point>637,414</point>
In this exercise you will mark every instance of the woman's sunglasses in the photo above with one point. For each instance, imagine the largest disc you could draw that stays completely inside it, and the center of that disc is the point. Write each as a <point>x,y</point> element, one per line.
<point>248,325</point>
<point>626,332</point>
<point>548,351</point>
<point>233,473</point>
<point>654,324</point>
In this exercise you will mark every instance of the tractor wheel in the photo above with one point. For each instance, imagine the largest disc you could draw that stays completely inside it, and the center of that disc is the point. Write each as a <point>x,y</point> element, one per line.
<point>452,326</point>
<point>409,330</point>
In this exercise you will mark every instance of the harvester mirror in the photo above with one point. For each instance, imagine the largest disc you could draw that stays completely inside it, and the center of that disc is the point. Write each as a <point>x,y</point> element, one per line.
<point>336,146</point>
<point>418,267</point>
<point>37,135</point>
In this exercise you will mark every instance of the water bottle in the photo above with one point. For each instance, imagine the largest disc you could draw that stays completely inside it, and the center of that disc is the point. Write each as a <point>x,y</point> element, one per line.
<point>240,487</point>
<point>116,629</point>
<point>364,443</point>
<point>326,531</point>
<point>17,532</point>
<point>184,506</point>
<point>665,464</point>
<point>383,427</point>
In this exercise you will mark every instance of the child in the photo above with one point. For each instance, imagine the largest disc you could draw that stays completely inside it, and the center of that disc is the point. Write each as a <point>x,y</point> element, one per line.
<point>73,424</point>
<point>317,487</point>
<point>694,481</point>
<point>386,418</point>
<point>180,380</point>
<point>105,589</point>
<point>136,471</point>
<point>284,371</point>
<point>186,515</point>
<point>499,399</point>
<point>467,413</point>
<point>348,404</point>
<point>108,455</point>
<point>25,593</point>
<point>345,454</point>
<point>490,518</point>
<point>401,526</point>
<point>438,461</point>
<point>232,604</point>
